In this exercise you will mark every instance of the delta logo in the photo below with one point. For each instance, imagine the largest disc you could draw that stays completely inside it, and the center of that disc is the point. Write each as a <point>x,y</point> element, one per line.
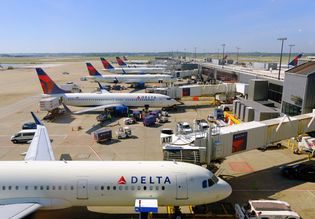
<point>145,180</point>
<point>121,180</point>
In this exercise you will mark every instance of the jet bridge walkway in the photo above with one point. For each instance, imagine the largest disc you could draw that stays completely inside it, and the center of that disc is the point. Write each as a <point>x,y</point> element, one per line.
<point>245,136</point>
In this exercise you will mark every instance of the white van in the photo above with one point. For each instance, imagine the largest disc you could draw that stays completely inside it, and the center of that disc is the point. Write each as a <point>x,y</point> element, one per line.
<point>269,209</point>
<point>23,136</point>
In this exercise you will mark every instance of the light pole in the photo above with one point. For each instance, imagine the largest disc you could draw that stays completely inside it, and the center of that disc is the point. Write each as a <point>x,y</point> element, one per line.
<point>223,45</point>
<point>291,45</point>
<point>237,54</point>
<point>195,53</point>
<point>282,41</point>
<point>185,53</point>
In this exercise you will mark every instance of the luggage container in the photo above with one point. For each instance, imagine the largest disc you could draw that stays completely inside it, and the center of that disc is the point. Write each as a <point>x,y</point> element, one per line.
<point>149,120</point>
<point>102,135</point>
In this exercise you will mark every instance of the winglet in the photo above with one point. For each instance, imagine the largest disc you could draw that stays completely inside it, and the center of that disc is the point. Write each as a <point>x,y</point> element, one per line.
<point>102,89</point>
<point>106,64</point>
<point>92,71</point>
<point>36,119</point>
<point>123,70</point>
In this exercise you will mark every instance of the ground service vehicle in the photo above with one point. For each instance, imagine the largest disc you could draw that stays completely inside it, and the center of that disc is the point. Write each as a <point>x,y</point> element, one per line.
<point>299,171</point>
<point>102,135</point>
<point>23,136</point>
<point>262,209</point>
<point>149,120</point>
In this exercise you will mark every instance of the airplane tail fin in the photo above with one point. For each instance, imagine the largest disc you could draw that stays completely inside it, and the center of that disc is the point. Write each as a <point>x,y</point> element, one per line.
<point>92,70</point>
<point>106,64</point>
<point>294,62</point>
<point>48,85</point>
<point>102,89</point>
<point>120,61</point>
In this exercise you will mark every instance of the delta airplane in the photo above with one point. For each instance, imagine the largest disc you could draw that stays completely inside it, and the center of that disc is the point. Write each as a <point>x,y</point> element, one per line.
<point>140,79</point>
<point>123,64</point>
<point>295,60</point>
<point>132,70</point>
<point>104,99</point>
<point>41,182</point>
<point>132,62</point>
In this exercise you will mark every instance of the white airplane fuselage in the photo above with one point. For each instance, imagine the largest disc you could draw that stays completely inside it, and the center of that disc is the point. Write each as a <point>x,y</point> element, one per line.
<point>61,184</point>
<point>140,70</point>
<point>147,78</point>
<point>126,99</point>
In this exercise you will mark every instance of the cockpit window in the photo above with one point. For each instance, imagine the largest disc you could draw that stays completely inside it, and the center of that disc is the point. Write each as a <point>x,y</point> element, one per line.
<point>204,184</point>
<point>168,98</point>
<point>210,182</point>
<point>215,179</point>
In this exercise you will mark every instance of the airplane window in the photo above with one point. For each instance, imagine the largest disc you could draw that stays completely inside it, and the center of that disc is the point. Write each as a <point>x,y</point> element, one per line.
<point>16,187</point>
<point>120,187</point>
<point>204,184</point>
<point>41,187</point>
<point>139,187</point>
<point>108,187</point>
<point>53,187</point>
<point>35,187</point>
<point>96,187</point>
<point>102,187</point>
<point>26,187</point>
<point>9,187</point>
<point>215,179</point>
<point>3,187</point>
<point>156,188</point>
<point>114,187</point>
<point>126,187</point>
<point>163,187</point>
<point>71,187</point>
<point>132,188</point>
<point>47,187</point>
<point>151,187</point>
<point>59,187</point>
<point>210,182</point>
<point>144,188</point>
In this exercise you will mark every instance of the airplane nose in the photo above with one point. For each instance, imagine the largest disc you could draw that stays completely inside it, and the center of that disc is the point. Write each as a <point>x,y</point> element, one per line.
<point>224,189</point>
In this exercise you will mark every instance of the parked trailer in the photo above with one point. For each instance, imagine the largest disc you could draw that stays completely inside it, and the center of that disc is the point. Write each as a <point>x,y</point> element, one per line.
<point>49,103</point>
<point>149,120</point>
<point>102,135</point>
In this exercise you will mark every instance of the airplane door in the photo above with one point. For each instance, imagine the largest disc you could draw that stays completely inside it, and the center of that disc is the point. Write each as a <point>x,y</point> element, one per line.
<point>181,186</point>
<point>82,189</point>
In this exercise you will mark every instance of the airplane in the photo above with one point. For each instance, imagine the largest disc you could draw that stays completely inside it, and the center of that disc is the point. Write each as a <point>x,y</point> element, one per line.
<point>125,64</point>
<point>42,182</point>
<point>132,62</point>
<point>138,79</point>
<point>132,70</point>
<point>102,100</point>
<point>294,62</point>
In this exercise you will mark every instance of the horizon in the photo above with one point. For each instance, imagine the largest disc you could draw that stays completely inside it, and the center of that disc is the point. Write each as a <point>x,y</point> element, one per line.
<point>48,26</point>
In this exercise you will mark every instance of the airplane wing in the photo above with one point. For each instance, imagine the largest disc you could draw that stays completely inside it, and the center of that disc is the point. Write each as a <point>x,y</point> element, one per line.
<point>40,148</point>
<point>19,210</point>
<point>98,107</point>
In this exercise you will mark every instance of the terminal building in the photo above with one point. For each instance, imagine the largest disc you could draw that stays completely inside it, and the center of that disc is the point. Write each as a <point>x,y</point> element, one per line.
<point>299,90</point>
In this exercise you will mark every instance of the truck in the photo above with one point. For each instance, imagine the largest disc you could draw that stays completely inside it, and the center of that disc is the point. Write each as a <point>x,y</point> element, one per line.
<point>271,209</point>
<point>149,120</point>
<point>49,103</point>
<point>102,135</point>
<point>124,132</point>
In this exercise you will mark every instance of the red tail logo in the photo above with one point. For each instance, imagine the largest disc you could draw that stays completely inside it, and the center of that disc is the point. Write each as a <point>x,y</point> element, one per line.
<point>122,180</point>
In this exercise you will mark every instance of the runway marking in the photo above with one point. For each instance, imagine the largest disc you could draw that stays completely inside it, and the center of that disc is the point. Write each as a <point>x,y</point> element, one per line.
<point>96,154</point>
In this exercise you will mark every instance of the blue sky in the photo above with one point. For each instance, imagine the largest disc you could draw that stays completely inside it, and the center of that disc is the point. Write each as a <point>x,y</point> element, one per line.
<point>155,25</point>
